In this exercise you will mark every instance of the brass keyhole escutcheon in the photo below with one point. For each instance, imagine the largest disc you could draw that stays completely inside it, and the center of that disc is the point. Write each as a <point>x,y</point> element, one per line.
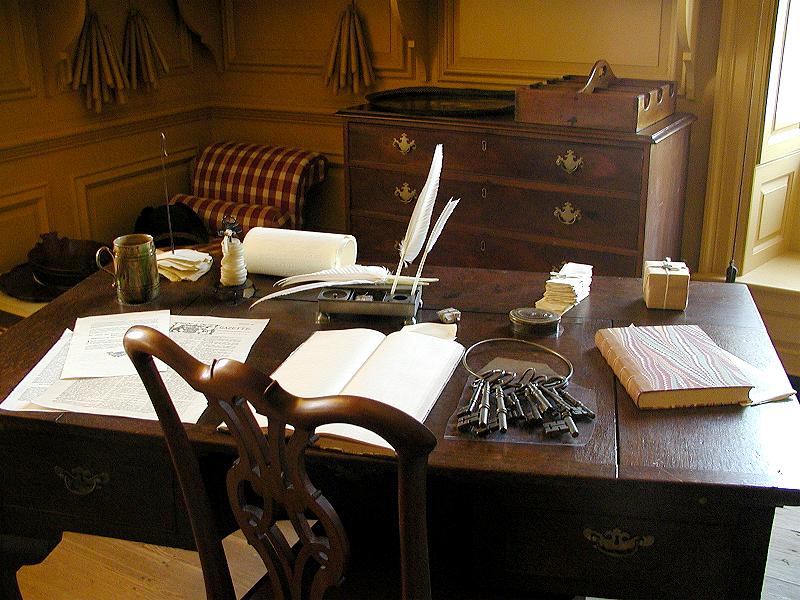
<point>567,214</point>
<point>570,163</point>
<point>404,145</point>
<point>405,193</point>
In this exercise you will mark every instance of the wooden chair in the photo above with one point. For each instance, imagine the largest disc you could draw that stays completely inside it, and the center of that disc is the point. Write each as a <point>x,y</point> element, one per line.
<point>269,479</point>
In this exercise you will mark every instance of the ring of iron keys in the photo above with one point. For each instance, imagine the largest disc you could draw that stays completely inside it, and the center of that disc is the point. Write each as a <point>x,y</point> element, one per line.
<point>501,398</point>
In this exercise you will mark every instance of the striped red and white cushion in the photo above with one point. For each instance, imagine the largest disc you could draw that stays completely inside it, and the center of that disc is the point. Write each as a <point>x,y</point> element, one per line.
<point>211,212</point>
<point>256,174</point>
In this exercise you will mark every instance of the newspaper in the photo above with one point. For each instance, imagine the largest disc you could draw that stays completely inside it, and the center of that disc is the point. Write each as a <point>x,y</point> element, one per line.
<point>206,338</point>
<point>95,349</point>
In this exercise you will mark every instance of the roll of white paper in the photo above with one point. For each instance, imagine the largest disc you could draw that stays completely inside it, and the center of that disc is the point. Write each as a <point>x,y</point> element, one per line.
<point>285,252</point>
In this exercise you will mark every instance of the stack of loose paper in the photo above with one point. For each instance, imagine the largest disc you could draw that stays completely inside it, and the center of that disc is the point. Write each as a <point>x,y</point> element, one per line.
<point>566,288</point>
<point>183,263</point>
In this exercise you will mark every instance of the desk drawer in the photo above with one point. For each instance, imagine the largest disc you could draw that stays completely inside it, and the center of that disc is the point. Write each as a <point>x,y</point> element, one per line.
<point>611,555</point>
<point>89,485</point>
<point>602,220</point>
<point>458,246</point>
<point>566,162</point>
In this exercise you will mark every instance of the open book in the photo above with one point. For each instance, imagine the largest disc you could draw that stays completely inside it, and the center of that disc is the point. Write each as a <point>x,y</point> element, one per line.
<point>670,366</point>
<point>406,369</point>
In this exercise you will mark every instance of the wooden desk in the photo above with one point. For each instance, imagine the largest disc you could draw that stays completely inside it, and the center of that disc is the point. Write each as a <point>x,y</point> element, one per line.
<point>701,483</point>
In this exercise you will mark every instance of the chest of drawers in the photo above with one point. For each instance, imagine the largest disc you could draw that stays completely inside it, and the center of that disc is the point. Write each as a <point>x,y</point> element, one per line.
<point>532,197</point>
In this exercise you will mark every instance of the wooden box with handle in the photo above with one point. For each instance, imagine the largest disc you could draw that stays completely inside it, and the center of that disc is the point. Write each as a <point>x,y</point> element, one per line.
<point>601,101</point>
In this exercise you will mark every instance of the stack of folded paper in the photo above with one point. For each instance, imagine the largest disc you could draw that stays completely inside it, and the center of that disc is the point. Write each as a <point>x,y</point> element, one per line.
<point>566,288</point>
<point>183,263</point>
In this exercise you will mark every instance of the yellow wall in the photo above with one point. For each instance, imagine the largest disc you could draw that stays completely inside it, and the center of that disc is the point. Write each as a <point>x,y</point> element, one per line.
<point>253,71</point>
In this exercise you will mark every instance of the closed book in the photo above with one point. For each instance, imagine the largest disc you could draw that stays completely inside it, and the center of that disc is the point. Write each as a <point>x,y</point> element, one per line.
<point>674,366</point>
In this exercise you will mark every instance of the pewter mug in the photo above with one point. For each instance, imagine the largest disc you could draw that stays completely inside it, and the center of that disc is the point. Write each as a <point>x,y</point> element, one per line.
<point>135,269</point>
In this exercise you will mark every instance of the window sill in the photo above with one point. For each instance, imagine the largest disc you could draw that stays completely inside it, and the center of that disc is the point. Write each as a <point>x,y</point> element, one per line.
<point>775,287</point>
<point>782,273</point>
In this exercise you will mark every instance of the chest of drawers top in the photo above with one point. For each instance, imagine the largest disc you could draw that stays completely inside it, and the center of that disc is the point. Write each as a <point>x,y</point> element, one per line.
<point>489,136</point>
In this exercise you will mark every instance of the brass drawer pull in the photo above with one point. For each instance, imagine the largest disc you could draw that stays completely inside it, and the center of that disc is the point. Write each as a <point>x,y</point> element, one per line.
<point>404,144</point>
<point>567,214</point>
<point>570,163</point>
<point>617,543</point>
<point>405,193</point>
<point>80,480</point>
<point>483,245</point>
<point>484,193</point>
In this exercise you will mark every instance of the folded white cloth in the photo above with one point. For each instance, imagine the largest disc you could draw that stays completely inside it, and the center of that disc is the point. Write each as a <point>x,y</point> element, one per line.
<point>183,263</point>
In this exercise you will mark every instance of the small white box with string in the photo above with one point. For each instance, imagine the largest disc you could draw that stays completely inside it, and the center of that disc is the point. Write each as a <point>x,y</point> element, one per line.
<point>665,284</point>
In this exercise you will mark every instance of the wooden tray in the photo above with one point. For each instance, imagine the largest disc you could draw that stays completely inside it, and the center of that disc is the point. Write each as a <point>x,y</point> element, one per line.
<point>601,101</point>
<point>443,102</point>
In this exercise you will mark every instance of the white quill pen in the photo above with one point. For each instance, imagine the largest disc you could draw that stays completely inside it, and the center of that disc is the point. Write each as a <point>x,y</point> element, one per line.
<point>417,231</point>
<point>370,273</point>
<point>308,286</point>
<point>435,233</point>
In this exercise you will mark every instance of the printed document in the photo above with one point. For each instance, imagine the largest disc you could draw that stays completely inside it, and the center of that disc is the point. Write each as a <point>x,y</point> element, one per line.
<point>206,338</point>
<point>39,378</point>
<point>96,346</point>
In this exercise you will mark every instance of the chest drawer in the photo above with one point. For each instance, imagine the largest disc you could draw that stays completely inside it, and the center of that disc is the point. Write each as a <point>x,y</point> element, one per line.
<point>461,246</point>
<point>587,219</point>
<point>562,162</point>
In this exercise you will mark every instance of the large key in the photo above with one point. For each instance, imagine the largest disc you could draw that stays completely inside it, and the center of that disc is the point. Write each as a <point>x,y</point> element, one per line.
<point>502,412</point>
<point>474,398</point>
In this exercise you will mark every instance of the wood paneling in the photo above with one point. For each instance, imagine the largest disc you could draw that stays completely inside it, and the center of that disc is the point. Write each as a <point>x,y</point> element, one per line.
<point>268,36</point>
<point>15,69</point>
<point>525,40</point>
<point>110,200</point>
<point>773,208</point>
<point>23,217</point>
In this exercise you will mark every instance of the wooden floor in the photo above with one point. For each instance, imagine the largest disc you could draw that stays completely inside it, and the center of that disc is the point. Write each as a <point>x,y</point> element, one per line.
<point>93,568</point>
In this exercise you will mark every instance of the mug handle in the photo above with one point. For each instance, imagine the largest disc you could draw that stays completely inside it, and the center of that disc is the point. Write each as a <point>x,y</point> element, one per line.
<point>100,266</point>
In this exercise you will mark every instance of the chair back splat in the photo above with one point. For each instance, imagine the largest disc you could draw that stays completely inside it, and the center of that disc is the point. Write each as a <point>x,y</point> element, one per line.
<point>269,481</point>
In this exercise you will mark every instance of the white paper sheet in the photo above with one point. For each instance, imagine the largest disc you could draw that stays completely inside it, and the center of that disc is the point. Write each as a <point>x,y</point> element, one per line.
<point>39,378</point>
<point>96,346</point>
<point>204,337</point>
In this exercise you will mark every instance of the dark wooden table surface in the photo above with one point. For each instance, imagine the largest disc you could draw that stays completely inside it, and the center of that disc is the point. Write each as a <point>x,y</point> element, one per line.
<point>674,503</point>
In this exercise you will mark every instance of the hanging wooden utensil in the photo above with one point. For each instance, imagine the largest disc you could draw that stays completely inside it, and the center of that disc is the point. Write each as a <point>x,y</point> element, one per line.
<point>142,59</point>
<point>349,65</point>
<point>96,66</point>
